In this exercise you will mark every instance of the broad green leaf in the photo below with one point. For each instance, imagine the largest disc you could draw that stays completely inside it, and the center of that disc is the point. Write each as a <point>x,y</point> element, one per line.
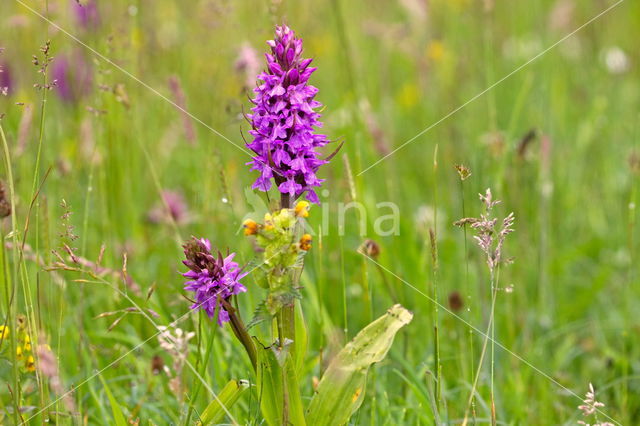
<point>215,411</point>
<point>341,389</point>
<point>118,417</point>
<point>277,379</point>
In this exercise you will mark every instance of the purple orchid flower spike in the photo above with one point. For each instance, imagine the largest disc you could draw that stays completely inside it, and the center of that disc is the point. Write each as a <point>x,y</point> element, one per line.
<point>212,278</point>
<point>284,121</point>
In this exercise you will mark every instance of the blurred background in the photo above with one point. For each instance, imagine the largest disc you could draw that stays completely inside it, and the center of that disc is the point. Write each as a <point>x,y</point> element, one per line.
<point>120,164</point>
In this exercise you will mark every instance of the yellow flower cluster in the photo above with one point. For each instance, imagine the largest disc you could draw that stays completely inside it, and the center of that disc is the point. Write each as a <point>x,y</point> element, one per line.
<point>24,350</point>
<point>4,332</point>
<point>305,242</point>
<point>282,245</point>
<point>280,219</point>
<point>302,209</point>
<point>24,353</point>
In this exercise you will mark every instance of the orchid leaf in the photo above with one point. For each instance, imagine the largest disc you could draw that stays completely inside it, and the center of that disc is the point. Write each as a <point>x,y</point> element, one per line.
<point>341,389</point>
<point>216,410</point>
<point>278,386</point>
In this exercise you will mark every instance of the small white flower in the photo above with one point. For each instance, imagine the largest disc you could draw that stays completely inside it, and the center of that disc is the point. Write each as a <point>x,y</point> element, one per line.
<point>616,60</point>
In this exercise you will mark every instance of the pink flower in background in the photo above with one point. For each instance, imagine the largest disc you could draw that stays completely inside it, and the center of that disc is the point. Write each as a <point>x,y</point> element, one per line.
<point>86,13</point>
<point>6,81</point>
<point>248,63</point>
<point>173,207</point>
<point>72,75</point>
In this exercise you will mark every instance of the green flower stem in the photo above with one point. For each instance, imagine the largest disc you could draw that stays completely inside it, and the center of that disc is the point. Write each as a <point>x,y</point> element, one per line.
<point>241,333</point>
<point>286,317</point>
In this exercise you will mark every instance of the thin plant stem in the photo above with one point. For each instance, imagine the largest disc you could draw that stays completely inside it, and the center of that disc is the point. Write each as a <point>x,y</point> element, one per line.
<point>482,354</point>
<point>469,298</point>
<point>434,256</point>
<point>390,288</point>
<point>344,294</point>
<point>631,225</point>
<point>10,321</point>
<point>494,294</point>
<point>366,290</point>
<point>240,332</point>
<point>285,320</point>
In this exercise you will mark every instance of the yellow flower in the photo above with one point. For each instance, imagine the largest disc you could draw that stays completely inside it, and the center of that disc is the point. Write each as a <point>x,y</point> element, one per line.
<point>250,227</point>
<point>435,50</point>
<point>408,95</point>
<point>19,353</point>
<point>4,332</point>
<point>27,343</point>
<point>268,222</point>
<point>283,219</point>
<point>305,242</point>
<point>302,209</point>
<point>30,364</point>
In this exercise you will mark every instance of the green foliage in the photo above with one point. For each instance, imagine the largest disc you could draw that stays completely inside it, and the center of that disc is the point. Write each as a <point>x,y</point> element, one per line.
<point>118,416</point>
<point>301,340</point>
<point>278,386</point>
<point>388,72</point>
<point>342,387</point>
<point>216,410</point>
<point>282,258</point>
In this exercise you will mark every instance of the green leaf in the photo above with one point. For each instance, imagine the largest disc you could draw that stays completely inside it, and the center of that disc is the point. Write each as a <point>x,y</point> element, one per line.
<point>278,387</point>
<point>256,203</point>
<point>215,411</point>
<point>118,416</point>
<point>300,341</point>
<point>260,315</point>
<point>341,390</point>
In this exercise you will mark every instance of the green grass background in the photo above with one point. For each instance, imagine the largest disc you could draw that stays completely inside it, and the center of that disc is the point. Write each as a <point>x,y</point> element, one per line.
<point>573,310</point>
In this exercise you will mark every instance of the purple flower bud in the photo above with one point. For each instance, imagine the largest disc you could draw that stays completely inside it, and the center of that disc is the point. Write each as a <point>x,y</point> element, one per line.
<point>212,278</point>
<point>284,121</point>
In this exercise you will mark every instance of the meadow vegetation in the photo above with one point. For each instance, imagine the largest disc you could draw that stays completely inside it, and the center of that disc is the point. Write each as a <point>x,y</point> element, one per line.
<point>124,133</point>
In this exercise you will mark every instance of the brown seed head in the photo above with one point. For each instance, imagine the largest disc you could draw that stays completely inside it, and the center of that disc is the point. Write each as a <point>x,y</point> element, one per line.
<point>456,303</point>
<point>157,364</point>
<point>463,171</point>
<point>370,248</point>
